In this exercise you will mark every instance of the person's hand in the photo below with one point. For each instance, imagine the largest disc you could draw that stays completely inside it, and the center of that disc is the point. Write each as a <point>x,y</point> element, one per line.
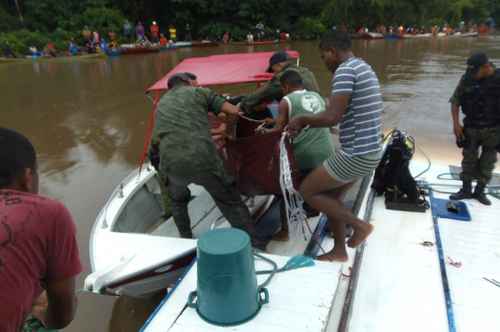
<point>261,129</point>
<point>39,309</point>
<point>458,130</point>
<point>295,126</point>
<point>219,131</point>
<point>269,121</point>
<point>230,109</point>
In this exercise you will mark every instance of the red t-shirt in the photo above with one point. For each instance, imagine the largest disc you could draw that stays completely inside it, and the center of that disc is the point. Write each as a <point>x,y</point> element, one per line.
<point>37,244</point>
<point>155,30</point>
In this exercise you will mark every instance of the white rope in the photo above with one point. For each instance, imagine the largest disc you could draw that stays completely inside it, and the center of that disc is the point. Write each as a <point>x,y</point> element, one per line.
<point>295,214</point>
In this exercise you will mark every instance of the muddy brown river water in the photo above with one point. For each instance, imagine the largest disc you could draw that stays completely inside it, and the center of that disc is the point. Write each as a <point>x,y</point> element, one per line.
<point>88,118</point>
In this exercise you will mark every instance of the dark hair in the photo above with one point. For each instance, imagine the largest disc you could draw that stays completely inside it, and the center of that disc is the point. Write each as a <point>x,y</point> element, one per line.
<point>338,40</point>
<point>191,76</point>
<point>291,78</point>
<point>16,154</point>
<point>178,79</point>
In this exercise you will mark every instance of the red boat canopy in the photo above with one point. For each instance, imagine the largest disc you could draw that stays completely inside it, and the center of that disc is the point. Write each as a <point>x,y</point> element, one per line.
<point>224,69</point>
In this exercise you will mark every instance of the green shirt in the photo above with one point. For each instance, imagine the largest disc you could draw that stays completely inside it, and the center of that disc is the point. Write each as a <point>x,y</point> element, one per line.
<point>183,129</point>
<point>314,145</point>
<point>272,90</point>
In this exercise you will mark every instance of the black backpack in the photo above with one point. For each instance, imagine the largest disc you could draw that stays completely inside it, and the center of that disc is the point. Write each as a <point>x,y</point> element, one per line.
<point>393,178</point>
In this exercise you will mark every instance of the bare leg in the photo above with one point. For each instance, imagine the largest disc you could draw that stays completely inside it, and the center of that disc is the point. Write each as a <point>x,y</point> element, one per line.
<point>324,193</point>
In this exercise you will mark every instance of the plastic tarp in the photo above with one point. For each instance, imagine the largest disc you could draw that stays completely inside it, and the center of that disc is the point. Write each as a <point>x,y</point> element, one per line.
<point>224,69</point>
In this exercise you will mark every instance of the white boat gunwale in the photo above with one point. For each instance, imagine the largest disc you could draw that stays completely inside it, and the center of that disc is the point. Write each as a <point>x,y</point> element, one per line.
<point>143,176</point>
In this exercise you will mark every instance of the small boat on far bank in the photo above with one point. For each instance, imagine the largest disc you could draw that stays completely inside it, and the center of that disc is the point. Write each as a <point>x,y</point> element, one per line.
<point>183,44</point>
<point>465,34</point>
<point>367,35</point>
<point>128,49</point>
<point>259,42</point>
<point>393,36</point>
<point>204,43</point>
<point>417,36</point>
<point>62,58</point>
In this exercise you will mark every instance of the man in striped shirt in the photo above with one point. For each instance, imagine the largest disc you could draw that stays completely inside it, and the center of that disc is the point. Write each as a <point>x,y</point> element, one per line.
<point>356,105</point>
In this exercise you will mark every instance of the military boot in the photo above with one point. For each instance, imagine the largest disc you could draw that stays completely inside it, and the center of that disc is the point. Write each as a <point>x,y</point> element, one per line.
<point>480,195</point>
<point>464,193</point>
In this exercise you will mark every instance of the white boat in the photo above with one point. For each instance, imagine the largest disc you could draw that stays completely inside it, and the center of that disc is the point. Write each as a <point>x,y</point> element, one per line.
<point>465,34</point>
<point>135,248</point>
<point>417,36</point>
<point>416,272</point>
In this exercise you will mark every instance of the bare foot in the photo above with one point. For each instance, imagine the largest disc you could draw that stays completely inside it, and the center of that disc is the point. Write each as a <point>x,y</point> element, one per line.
<point>333,256</point>
<point>359,236</point>
<point>281,236</point>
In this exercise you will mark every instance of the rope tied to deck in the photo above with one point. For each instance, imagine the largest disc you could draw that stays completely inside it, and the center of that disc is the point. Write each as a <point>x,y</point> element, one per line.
<point>295,214</point>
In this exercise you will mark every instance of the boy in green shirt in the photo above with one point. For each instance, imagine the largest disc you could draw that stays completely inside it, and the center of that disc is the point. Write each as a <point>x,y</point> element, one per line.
<point>312,146</point>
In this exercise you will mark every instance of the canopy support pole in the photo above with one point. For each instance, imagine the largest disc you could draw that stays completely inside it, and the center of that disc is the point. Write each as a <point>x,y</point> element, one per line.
<point>149,130</point>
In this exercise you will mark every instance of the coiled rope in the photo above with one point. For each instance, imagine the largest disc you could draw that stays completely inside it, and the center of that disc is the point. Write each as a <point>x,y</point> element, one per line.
<point>295,214</point>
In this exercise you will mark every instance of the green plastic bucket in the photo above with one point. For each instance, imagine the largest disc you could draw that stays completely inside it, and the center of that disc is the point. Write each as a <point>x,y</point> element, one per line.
<point>227,291</point>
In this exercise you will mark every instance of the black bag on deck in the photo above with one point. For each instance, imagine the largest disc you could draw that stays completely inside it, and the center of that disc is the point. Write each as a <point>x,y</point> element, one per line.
<point>393,178</point>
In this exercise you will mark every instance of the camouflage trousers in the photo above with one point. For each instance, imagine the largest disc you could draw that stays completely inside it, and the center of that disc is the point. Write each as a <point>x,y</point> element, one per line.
<point>478,165</point>
<point>218,184</point>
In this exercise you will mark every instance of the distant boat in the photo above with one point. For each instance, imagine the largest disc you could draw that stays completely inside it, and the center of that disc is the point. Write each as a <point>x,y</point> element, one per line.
<point>367,35</point>
<point>62,58</point>
<point>259,42</point>
<point>393,36</point>
<point>204,43</point>
<point>465,35</point>
<point>417,36</point>
<point>128,49</point>
<point>184,44</point>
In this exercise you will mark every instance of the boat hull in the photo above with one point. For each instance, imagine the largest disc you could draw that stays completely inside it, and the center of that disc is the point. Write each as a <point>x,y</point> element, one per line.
<point>131,50</point>
<point>135,250</point>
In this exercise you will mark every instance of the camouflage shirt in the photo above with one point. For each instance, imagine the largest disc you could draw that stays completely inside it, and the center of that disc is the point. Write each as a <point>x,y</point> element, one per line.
<point>272,90</point>
<point>183,129</point>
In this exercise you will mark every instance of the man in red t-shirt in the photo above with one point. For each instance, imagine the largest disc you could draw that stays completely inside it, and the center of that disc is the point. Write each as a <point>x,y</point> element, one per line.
<point>39,257</point>
<point>155,32</point>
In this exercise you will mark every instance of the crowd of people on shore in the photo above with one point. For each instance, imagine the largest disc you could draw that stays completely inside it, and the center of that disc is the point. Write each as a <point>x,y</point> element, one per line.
<point>92,41</point>
<point>434,29</point>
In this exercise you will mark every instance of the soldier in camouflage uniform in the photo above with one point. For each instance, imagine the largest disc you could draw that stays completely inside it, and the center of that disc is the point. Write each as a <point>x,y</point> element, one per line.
<point>188,155</point>
<point>279,63</point>
<point>478,95</point>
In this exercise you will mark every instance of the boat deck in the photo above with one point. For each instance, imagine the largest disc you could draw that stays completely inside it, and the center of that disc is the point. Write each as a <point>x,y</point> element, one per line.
<point>312,296</point>
<point>401,286</point>
<point>476,247</point>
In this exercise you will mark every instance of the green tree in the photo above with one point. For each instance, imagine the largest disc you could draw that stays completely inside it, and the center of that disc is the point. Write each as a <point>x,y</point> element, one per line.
<point>211,18</point>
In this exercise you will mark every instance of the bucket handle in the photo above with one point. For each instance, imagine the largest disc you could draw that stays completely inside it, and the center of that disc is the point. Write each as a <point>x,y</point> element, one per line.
<point>191,302</point>
<point>262,300</point>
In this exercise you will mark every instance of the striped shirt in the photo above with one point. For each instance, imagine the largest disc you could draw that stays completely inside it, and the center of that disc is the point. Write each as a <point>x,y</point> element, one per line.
<point>360,127</point>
